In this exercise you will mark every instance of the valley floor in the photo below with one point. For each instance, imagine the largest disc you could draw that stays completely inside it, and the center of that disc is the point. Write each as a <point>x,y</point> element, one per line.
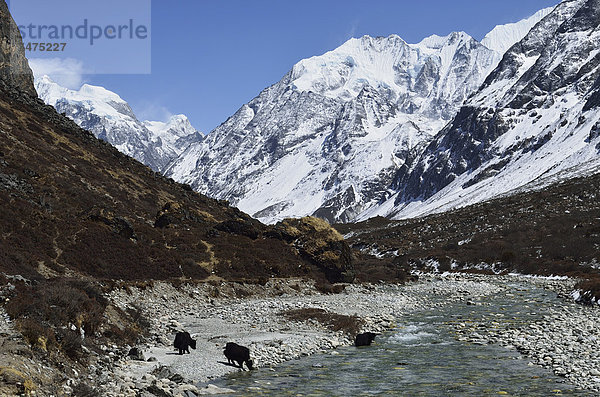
<point>565,341</point>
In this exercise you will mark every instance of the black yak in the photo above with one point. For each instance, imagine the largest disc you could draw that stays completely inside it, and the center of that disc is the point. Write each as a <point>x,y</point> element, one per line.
<point>364,339</point>
<point>235,352</point>
<point>183,341</point>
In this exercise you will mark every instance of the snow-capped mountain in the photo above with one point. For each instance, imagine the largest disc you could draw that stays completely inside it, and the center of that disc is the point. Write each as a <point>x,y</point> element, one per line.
<point>332,136</point>
<point>534,121</point>
<point>110,118</point>
<point>502,37</point>
<point>174,137</point>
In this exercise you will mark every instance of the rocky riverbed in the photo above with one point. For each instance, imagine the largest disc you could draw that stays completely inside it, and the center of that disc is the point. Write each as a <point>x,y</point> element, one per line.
<point>252,316</point>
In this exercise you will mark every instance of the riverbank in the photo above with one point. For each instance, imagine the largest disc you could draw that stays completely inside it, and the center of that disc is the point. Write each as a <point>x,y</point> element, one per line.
<point>252,316</point>
<point>566,340</point>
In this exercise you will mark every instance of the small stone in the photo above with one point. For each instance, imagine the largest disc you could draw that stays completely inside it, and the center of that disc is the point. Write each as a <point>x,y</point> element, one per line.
<point>149,378</point>
<point>560,371</point>
<point>136,353</point>
<point>212,389</point>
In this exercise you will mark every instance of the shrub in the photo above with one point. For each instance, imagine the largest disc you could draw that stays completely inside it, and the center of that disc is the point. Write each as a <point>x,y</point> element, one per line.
<point>45,312</point>
<point>326,287</point>
<point>334,321</point>
<point>22,382</point>
<point>84,390</point>
<point>321,244</point>
<point>36,334</point>
<point>590,289</point>
<point>59,302</point>
<point>70,343</point>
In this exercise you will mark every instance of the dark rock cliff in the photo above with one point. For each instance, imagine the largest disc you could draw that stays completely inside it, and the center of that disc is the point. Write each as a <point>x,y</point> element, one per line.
<point>14,68</point>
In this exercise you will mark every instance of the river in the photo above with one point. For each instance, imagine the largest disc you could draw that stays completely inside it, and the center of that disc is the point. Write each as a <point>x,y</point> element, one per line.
<point>421,356</point>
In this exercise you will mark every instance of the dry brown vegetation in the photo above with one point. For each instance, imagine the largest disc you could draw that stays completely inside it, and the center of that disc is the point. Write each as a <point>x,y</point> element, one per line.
<point>320,244</point>
<point>334,321</point>
<point>552,231</point>
<point>589,289</point>
<point>53,314</point>
<point>74,209</point>
<point>72,203</point>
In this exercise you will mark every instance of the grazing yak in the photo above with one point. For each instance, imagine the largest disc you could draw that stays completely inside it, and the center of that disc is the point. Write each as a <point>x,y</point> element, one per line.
<point>364,339</point>
<point>183,341</point>
<point>235,352</point>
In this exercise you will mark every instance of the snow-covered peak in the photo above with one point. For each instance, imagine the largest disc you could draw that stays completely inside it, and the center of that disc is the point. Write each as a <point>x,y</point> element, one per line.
<point>97,93</point>
<point>110,118</point>
<point>332,136</point>
<point>53,92</point>
<point>369,44</point>
<point>534,121</point>
<point>329,137</point>
<point>407,73</point>
<point>178,125</point>
<point>392,66</point>
<point>343,72</point>
<point>181,122</point>
<point>435,42</point>
<point>94,98</point>
<point>50,91</point>
<point>502,37</point>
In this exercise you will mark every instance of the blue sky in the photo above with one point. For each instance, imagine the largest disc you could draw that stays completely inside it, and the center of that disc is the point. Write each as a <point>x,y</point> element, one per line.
<point>210,57</point>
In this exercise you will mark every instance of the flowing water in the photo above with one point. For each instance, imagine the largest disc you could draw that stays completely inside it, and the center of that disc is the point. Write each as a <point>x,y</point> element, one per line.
<point>421,357</point>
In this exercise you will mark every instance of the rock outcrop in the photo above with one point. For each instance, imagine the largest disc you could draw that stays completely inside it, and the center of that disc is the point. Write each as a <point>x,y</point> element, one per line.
<point>14,69</point>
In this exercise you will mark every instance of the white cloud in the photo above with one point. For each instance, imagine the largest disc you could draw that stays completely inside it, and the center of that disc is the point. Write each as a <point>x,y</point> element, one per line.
<point>352,30</point>
<point>152,111</point>
<point>67,72</point>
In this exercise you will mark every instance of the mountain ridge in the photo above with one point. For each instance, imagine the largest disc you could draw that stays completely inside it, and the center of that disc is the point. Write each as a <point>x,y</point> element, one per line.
<point>329,138</point>
<point>335,135</point>
<point>502,37</point>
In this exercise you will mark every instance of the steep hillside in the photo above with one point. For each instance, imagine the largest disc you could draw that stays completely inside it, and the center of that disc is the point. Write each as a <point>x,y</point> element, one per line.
<point>552,231</point>
<point>74,204</point>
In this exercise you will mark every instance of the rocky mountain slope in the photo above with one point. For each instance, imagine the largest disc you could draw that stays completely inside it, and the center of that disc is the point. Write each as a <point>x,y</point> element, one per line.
<point>15,73</point>
<point>110,118</point>
<point>534,120</point>
<point>330,138</point>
